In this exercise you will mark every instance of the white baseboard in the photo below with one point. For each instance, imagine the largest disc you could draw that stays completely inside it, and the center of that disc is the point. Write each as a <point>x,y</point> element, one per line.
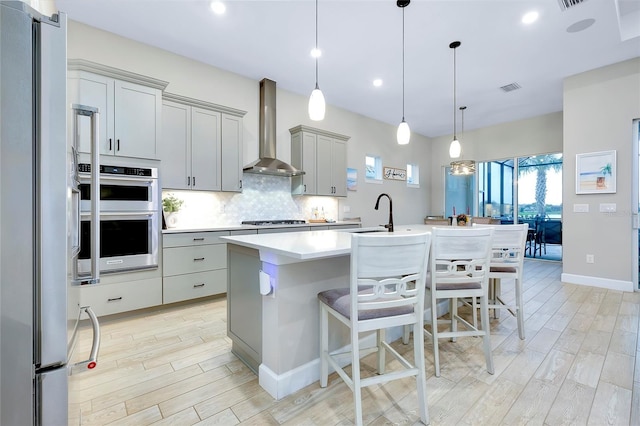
<point>598,282</point>
<point>281,385</point>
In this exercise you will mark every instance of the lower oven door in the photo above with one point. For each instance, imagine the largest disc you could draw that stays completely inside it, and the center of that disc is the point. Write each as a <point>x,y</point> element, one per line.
<point>128,242</point>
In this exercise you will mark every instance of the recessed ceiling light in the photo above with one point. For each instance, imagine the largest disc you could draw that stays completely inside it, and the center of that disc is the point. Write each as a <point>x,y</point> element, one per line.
<point>316,53</point>
<point>218,7</point>
<point>530,17</point>
<point>377,82</point>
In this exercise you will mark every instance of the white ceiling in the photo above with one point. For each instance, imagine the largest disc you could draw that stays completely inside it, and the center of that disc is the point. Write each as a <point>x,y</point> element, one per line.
<point>362,40</point>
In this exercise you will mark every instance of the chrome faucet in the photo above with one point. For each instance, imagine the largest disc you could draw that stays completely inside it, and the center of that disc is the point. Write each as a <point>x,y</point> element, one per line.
<point>389,225</point>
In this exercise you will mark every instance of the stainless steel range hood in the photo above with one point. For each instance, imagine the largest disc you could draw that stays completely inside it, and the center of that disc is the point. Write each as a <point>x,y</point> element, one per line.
<point>268,164</point>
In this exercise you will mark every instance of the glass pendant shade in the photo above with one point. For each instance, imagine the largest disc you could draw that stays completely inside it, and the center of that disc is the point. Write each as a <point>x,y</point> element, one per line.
<point>404,133</point>
<point>455,149</point>
<point>463,167</point>
<point>316,105</point>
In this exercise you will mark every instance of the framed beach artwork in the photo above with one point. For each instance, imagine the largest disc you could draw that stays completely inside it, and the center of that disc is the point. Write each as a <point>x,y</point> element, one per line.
<point>596,173</point>
<point>352,179</point>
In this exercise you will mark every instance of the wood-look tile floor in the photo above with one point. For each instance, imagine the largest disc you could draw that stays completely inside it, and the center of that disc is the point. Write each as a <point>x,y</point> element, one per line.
<point>173,365</point>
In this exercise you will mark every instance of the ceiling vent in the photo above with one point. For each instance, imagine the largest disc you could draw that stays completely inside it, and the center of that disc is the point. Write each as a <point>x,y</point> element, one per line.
<point>567,4</point>
<point>511,87</point>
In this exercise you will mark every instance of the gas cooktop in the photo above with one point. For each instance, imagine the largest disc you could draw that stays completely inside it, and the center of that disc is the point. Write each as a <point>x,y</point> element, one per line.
<point>273,222</point>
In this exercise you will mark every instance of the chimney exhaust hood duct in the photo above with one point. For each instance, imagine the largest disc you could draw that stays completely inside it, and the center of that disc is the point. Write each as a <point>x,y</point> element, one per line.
<point>268,164</point>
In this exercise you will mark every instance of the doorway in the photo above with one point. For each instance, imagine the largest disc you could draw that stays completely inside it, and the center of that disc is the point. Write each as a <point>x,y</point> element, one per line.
<point>525,190</point>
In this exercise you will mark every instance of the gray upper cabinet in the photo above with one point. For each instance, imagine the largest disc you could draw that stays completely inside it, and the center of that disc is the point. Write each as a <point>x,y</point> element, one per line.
<point>129,105</point>
<point>201,145</point>
<point>190,147</point>
<point>323,157</point>
<point>231,153</point>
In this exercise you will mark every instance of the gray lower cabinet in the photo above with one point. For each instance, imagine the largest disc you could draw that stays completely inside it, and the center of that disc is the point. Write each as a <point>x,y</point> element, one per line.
<point>194,265</point>
<point>110,297</point>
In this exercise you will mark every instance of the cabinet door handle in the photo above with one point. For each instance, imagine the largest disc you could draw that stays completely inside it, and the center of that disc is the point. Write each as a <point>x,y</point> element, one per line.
<point>188,180</point>
<point>240,183</point>
<point>305,187</point>
<point>198,285</point>
<point>198,239</point>
<point>117,144</point>
<point>110,144</point>
<point>194,181</point>
<point>198,259</point>
<point>115,299</point>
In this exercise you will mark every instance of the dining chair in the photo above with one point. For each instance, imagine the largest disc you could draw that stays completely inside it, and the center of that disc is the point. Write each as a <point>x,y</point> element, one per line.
<point>459,269</point>
<point>388,277</point>
<point>507,263</point>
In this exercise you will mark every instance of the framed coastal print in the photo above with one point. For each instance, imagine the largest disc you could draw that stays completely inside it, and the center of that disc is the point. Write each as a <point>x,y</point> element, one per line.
<point>596,173</point>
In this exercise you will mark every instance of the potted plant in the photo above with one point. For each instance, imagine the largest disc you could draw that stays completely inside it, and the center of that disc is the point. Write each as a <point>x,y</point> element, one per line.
<point>170,206</point>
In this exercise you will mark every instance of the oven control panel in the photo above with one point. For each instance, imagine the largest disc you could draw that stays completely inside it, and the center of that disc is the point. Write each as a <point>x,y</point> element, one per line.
<point>119,170</point>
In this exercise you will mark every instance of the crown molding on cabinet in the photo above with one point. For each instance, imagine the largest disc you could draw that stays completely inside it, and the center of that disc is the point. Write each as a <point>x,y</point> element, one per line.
<point>303,128</point>
<point>107,71</point>
<point>202,104</point>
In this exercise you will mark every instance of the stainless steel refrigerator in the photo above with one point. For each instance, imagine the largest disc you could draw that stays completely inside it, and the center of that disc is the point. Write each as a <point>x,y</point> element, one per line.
<point>37,322</point>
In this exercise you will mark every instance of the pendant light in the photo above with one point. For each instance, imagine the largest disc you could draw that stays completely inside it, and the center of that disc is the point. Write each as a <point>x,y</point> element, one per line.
<point>316,100</point>
<point>404,133</point>
<point>463,167</point>
<point>454,148</point>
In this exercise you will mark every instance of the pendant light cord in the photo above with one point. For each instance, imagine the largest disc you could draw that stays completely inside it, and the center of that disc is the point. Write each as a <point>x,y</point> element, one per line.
<point>454,93</point>
<point>317,52</point>
<point>403,64</point>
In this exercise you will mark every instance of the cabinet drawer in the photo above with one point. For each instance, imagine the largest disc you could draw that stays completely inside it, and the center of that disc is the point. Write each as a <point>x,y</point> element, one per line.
<point>107,299</point>
<point>191,286</point>
<point>193,238</point>
<point>185,260</point>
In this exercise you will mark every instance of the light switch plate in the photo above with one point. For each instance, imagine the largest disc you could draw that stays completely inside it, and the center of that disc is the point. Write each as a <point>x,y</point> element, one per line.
<point>608,207</point>
<point>581,208</point>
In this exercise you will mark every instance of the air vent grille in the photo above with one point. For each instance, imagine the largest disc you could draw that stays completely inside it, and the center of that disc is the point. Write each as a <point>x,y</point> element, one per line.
<point>511,87</point>
<point>566,4</point>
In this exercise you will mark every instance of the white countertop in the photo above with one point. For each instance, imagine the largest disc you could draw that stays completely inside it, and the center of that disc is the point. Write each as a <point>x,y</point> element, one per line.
<point>311,245</point>
<point>240,227</point>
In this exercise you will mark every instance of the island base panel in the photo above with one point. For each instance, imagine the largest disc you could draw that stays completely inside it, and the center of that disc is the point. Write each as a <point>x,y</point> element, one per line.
<point>244,305</point>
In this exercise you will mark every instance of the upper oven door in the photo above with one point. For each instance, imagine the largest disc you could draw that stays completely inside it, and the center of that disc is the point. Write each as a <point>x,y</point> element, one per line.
<point>121,193</point>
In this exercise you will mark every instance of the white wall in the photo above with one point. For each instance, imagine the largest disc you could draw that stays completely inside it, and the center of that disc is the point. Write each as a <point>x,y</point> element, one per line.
<point>599,109</point>
<point>200,81</point>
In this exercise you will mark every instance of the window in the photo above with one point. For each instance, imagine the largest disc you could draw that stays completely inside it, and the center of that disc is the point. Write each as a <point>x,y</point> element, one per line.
<point>495,189</point>
<point>458,194</point>
<point>413,176</point>
<point>373,169</point>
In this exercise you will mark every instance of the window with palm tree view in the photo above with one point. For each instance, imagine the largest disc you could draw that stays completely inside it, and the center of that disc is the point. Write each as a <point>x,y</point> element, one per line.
<point>538,200</point>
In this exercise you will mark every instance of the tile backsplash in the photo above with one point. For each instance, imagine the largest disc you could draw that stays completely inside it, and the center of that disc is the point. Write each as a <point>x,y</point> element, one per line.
<point>262,197</point>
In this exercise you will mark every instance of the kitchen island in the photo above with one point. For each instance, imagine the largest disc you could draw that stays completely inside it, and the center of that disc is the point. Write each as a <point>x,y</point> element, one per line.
<point>272,308</point>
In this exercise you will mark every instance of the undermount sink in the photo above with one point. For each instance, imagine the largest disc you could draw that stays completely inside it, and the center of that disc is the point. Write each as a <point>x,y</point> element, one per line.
<point>367,231</point>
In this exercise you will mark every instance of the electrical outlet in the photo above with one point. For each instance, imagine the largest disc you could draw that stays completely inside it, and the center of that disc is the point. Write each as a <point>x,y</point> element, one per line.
<point>590,258</point>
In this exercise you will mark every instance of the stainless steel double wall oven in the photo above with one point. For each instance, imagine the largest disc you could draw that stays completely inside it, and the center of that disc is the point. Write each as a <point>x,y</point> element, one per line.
<point>129,218</point>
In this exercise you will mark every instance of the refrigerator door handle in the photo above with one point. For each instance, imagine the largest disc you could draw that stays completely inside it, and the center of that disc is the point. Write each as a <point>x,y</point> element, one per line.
<point>95,189</point>
<point>92,361</point>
